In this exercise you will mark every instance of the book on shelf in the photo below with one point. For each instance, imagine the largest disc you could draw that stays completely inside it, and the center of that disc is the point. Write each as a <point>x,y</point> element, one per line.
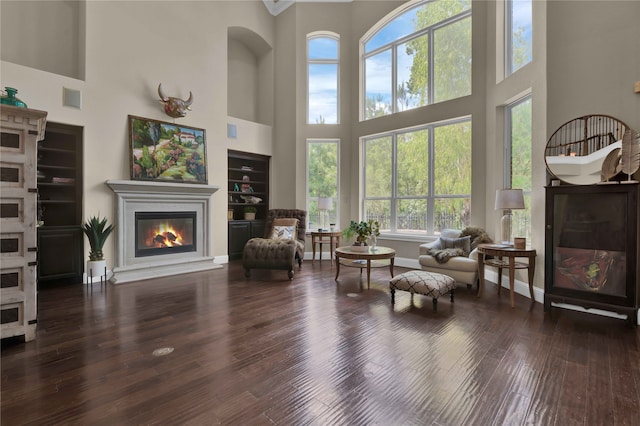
<point>56,179</point>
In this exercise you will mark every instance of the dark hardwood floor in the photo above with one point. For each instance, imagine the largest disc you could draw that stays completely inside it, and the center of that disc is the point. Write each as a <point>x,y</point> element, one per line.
<point>268,350</point>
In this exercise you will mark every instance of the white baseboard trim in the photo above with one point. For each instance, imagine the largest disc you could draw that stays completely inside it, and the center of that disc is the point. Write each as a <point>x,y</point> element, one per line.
<point>591,311</point>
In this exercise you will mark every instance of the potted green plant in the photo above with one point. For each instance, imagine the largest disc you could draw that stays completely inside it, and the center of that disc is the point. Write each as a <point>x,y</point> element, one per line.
<point>97,231</point>
<point>362,230</point>
<point>250,213</point>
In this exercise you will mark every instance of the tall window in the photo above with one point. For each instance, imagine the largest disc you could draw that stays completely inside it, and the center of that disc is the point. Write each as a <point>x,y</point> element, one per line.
<point>322,181</point>
<point>519,17</point>
<point>323,64</point>
<point>518,164</point>
<point>422,55</point>
<point>418,181</point>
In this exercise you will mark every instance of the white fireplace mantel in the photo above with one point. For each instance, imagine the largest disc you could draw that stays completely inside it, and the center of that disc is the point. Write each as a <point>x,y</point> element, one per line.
<point>153,196</point>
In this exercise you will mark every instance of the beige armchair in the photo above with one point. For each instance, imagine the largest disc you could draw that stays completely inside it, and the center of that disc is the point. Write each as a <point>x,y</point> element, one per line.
<point>462,269</point>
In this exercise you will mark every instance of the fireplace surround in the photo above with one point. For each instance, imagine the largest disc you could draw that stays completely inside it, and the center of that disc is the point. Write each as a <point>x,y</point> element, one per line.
<point>148,203</point>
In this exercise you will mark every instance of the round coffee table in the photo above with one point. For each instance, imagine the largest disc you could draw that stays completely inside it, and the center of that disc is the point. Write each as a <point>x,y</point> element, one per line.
<point>372,258</point>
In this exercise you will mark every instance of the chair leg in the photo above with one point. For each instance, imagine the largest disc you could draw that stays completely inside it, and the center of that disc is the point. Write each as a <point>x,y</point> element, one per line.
<point>247,272</point>
<point>393,295</point>
<point>290,274</point>
<point>451,295</point>
<point>435,304</point>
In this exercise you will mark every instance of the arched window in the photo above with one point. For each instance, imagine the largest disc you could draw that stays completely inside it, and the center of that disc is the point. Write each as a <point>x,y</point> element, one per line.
<point>323,66</point>
<point>418,55</point>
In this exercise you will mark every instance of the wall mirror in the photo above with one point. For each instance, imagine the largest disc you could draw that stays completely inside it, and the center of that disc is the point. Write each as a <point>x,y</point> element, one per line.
<point>585,150</point>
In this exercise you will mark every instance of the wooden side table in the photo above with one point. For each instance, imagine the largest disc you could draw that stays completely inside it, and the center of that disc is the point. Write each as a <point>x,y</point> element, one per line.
<point>325,237</point>
<point>499,251</point>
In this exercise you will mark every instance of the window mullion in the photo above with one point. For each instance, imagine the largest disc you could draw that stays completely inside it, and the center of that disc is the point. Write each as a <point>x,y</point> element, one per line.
<point>430,68</point>
<point>394,181</point>
<point>506,179</point>
<point>394,78</point>
<point>431,187</point>
<point>508,38</point>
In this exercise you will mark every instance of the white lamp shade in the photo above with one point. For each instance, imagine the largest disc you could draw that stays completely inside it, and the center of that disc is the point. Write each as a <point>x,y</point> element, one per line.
<point>325,203</point>
<point>509,199</point>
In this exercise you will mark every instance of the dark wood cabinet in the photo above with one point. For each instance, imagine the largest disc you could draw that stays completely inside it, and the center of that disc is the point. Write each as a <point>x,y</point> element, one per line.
<point>248,176</point>
<point>591,247</point>
<point>60,254</point>
<point>60,238</point>
<point>241,231</point>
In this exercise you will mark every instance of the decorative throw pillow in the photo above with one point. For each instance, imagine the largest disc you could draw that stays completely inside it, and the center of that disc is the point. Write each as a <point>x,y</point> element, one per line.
<point>291,223</point>
<point>283,233</point>
<point>463,243</point>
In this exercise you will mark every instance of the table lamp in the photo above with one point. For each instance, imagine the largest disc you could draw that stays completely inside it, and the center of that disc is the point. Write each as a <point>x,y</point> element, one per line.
<point>325,204</point>
<point>507,200</point>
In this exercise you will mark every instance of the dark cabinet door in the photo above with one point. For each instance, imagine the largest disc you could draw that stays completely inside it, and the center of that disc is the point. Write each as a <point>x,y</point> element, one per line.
<point>239,234</point>
<point>257,228</point>
<point>241,231</point>
<point>60,254</point>
<point>591,247</point>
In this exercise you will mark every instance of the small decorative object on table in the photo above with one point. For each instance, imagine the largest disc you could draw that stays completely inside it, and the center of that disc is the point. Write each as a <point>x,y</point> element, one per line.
<point>362,230</point>
<point>10,98</point>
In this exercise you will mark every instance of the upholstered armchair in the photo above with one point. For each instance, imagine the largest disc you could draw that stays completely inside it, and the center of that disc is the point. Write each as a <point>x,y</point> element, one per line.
<point>300,239</point>
<point>282,245</point>
<point>464,268</point>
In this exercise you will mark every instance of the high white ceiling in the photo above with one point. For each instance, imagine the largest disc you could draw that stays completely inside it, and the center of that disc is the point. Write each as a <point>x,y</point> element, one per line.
<point>277,6</point>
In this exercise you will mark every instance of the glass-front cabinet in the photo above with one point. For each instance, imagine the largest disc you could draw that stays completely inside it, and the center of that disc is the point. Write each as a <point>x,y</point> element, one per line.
<point>592,247</point>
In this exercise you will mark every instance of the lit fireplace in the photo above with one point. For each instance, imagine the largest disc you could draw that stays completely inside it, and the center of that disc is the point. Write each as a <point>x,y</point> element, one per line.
<point>164,233</point>
<point>145,204</point>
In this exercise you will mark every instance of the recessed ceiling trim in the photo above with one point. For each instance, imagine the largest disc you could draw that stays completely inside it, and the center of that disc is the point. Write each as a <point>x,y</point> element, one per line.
<point>276,7</point>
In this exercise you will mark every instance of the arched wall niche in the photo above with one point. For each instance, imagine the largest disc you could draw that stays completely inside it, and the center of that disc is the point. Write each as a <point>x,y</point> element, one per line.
<point>249,77</point>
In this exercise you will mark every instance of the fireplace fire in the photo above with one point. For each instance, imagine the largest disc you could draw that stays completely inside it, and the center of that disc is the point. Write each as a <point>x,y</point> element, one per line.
<point>164,233</point>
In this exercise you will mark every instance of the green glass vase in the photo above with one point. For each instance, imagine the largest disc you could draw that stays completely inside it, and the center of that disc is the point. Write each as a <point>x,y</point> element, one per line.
<point>10,98</point>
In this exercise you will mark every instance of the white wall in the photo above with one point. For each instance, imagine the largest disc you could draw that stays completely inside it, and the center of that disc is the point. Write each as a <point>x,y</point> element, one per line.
<point>593,60</point>
<point>242,94</point>
<point>46,35</point>
<point>131,47</point>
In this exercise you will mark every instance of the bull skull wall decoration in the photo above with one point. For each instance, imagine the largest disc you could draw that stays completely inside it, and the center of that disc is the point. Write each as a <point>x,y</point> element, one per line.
<point>175,107</point>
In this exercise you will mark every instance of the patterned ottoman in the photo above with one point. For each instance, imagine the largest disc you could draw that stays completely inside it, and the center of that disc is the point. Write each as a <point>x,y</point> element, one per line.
<point>423,282</point>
